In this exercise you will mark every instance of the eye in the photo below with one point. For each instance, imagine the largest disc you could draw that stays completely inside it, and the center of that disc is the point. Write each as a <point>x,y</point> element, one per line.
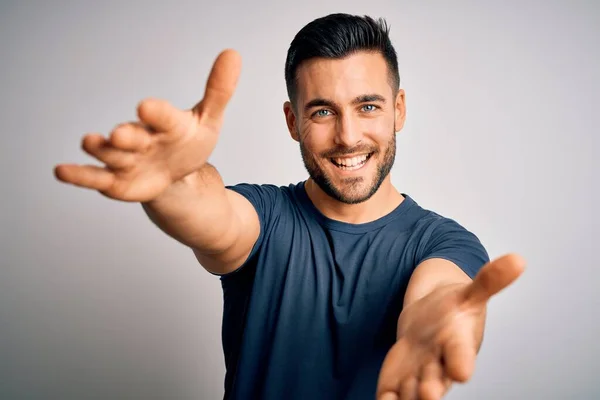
<point>322,113</point>
<point>369,107</point>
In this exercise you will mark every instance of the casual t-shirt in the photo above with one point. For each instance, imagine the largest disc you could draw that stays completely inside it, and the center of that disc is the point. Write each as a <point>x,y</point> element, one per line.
<point>313,311</point>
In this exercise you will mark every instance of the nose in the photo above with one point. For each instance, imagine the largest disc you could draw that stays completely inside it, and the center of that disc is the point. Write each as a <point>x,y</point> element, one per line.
<point>348,133</point>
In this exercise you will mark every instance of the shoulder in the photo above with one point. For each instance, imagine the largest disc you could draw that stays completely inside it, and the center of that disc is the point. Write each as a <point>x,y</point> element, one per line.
<point>260,194</point>
<point>263,189</point>
<point>439,236</point>
<point>420,221</point>
<point>271,202</point>
<point>429,222</point>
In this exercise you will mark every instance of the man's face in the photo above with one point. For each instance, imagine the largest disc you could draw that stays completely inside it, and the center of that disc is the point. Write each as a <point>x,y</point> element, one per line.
<point>346,118</point>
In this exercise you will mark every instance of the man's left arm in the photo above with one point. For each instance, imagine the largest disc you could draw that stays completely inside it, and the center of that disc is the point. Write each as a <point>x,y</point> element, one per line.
<point>440,328</point>
<point>440,274</point>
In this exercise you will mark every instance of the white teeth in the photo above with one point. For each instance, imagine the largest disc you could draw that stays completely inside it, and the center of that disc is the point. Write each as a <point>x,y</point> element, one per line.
<point>351,163</point>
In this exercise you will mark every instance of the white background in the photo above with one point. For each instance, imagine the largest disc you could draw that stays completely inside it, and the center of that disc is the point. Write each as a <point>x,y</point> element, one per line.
<point>96,303</point>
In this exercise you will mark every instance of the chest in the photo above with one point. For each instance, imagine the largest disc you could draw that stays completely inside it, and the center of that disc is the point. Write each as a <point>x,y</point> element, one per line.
<point>352,280</point>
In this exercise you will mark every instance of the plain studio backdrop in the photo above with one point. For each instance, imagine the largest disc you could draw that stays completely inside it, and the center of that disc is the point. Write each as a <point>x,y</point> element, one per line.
<point>97,303</point>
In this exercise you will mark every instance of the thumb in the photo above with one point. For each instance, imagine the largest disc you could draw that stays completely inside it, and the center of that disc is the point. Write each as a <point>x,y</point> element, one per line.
<point>220,86</point>
<point>494,277</point>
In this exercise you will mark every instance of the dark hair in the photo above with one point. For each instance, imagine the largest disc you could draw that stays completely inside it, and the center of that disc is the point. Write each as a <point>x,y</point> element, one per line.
<point>338,36</point>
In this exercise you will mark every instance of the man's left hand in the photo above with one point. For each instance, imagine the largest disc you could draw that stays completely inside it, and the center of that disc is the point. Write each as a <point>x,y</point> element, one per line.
<point>440,334</point>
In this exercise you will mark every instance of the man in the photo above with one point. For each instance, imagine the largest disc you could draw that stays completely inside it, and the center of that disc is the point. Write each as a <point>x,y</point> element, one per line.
<point>340,286</point>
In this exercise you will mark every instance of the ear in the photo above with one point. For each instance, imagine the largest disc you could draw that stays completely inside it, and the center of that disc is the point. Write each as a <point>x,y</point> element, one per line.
<point>290,119</point>
<point>400,110</point>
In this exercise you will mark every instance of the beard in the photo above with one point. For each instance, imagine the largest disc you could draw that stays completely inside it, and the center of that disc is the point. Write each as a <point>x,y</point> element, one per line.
<point>351,190</point>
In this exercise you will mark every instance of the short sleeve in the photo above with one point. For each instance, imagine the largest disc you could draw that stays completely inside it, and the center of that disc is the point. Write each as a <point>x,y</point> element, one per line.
<point>451,241</point>
<point>266,200</point>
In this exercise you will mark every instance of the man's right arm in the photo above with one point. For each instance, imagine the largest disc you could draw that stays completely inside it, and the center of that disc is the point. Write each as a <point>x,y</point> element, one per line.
<point>218,224</point>
<point>160,161</point>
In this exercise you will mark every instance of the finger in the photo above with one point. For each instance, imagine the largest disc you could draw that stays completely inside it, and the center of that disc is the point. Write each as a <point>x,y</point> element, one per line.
<point>161,115</point>
<point>98,147</point>
<point>130,137</point>
<point>399,364</point>
<point>434,390</point>
<point>431,383</point>
<point>459,359</point>
<point>88,176</point>
<point>494,277</point>
<point>447,383</point>
<point>409,389</point>
<point>220,86</point>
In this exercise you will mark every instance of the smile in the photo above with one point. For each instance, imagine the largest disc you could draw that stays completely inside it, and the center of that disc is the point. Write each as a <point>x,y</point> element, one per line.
<point>351,163</point>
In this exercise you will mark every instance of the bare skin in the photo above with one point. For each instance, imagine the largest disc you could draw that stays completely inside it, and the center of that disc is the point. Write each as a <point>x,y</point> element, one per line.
<point>161,162</point>
<point>440,333</point>
<point>348,105</point>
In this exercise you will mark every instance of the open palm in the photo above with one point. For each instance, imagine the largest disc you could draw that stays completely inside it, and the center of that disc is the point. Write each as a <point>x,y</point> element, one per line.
<point>439,335</point>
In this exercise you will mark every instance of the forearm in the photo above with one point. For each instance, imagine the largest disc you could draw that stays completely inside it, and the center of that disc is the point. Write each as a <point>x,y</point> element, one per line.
<point>195,211</point>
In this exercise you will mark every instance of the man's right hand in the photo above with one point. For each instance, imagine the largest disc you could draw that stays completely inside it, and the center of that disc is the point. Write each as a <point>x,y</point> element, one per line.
<point>142,159</point>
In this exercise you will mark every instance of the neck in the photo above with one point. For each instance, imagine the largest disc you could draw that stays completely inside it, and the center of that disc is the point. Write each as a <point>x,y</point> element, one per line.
<point>383,202</point>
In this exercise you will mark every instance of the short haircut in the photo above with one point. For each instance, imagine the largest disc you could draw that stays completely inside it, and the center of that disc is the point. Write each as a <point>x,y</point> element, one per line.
<point>337,36</point>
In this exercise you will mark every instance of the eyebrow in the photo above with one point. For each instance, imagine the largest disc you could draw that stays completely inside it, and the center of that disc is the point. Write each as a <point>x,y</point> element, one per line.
<point>368,98</point>
<point>365,98</point>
